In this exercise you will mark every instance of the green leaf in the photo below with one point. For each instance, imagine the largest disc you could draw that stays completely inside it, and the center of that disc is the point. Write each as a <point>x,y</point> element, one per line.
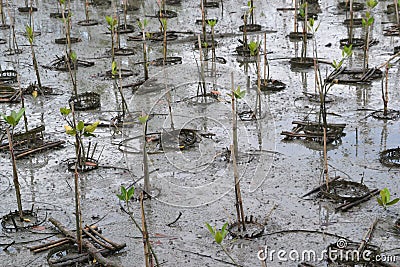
<point>143,119</point>
<point>370,21</point>
<point>364,22</point>
<point>18,116</point>
<point>10,120</point>
<point>394,201</point>
<point>114,70</point>
<point>65,111</point>
<point>80,126</point>
<point>385,195</point>
<point>372,3</point>
<point>212,231</point>
<point>311,22</point>
<point>218,237</point>
<point>253,46</point>
<point>239,94</point>
<point>29,33</point>
<point>109,20</point>
<point>91,128</point>
<point>379,201</point>
<point>212,22</point>
<point>164,23</point>
<point>130,192</point>
<point>224,230</point>
<point>69,130</point>
<point>73,56</point>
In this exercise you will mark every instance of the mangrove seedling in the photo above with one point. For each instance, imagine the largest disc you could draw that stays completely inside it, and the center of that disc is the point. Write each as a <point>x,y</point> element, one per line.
<point>112,24</point>
<point>13,120</point>
<point>323,87</point>
<point>126,195</point>
<point>384,199</point>
<point>143,120</point>
<point>212,24</point>
<point>30,35</point>
<point>142,26</point>
<point>367,22</point>
<point>235,96</point>
<point>219,236</point>
<point>78,130</point>
<point>163,22</point>
<point>254,48</point>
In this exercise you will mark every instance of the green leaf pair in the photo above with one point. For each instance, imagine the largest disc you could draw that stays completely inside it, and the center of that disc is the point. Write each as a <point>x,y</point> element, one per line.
<point>126,195</point>
<point>253,46</point>
<point>384,199</point>
<point>219,236</point>
<point>212,22</point>
<point>111,22</point>
<point>143,119</point>
<point>14,117</point>
<point>238,94</point>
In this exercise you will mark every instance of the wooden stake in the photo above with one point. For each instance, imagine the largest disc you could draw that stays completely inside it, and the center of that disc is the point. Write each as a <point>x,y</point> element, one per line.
<point>15,173</point>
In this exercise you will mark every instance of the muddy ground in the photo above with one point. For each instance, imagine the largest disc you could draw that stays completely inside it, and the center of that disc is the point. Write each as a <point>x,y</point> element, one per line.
<point>198,182</point>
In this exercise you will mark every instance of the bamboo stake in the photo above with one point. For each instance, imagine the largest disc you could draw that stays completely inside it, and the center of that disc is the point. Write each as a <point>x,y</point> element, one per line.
<point>147,255</point>
<point>367,236</point>
<point>15,174</point>
<point>234,153</point>
<point>78,220</point>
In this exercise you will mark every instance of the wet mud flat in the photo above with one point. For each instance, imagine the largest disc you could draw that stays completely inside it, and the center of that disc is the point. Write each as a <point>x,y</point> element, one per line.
<point>193,178</point>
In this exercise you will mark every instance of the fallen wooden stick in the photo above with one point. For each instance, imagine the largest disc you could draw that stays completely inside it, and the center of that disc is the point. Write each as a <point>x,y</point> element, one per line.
<point>52,244</point>
<point>91,249</point>
<point>104,245</point>
<point>367,237</point>
<point>319,188</point>
<point>94,231</point>
<point>43,147</point>
<point>367,196</point>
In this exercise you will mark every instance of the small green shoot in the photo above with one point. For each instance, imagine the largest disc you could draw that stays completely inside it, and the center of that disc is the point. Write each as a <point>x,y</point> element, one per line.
<point>14,117</point>
<point>239,94</point>
<point>347,51</point>
<point>253,47</point>
<point>111,22</point>
<point>114,70</point>
<point>80,129</point>
<point>219,236</point>
<point>302,10</point>
<point>143,119</point>
<point>73,56</point>
<point>372,3</point>
<point>126,195</point>
<point>213,22</point>
<point>142,24</point>
<point>384,199</point>
<point>368,20</point>
<point>29,33</point>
